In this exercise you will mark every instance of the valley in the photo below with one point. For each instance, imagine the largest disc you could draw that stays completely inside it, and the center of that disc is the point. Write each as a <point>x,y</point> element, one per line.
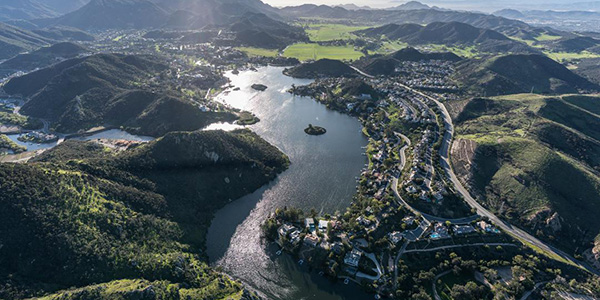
<point>156,149</point>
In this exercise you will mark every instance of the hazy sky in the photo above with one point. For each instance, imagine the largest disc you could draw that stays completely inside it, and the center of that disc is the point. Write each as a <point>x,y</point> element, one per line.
<point>483,5</point>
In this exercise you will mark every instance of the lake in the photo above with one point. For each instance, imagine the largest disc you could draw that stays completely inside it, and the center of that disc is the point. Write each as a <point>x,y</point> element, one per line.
<point>322,176</point>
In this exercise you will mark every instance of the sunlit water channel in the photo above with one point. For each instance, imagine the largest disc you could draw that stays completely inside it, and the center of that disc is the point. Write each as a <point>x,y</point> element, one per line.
<point>322,176</point>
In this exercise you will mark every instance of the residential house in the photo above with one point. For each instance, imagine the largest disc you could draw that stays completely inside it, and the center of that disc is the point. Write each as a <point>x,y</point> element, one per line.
<point>352,258</point>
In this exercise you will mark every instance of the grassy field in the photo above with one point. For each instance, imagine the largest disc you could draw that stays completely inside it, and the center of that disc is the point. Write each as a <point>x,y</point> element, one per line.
<point>389,47</point>
<point>307,51</point>
<point>562,57</point>
<point>546,37</point>
<point>250,51</point>
<point>330,32</point>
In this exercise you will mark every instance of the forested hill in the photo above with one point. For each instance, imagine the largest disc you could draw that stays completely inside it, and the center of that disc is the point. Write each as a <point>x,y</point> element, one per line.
<point>73,222</point>
<point>114,90</point>
<point>322,68</point>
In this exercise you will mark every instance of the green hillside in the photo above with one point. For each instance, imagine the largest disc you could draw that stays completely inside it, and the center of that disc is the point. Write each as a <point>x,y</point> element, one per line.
<point>519,73</point>
<point>535,160</point>
<point>73,222</point>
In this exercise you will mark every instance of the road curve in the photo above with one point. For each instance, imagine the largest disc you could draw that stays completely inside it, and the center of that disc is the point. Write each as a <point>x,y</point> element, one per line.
<point>433,284</point>
<point>482,211</point>
<point>428,217</point>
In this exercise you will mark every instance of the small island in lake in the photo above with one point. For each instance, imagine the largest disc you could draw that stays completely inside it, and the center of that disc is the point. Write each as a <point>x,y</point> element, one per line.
<point>315,130</point>
<point>259,87</point>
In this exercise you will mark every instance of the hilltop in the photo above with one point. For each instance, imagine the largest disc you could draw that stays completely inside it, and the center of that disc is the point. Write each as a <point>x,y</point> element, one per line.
<point>519,73</point>
<point>258,30</point>
<point>412,54</point>
<point>106,14</point>
<point>211,10</point>
<point>534,160</point>
<point>386,65</point>
<point>411,5</point>
<point>125,215</point>
<point>254,23</point>
<point>322,68</point>
<point>107,89</point>
<point>447,33</point>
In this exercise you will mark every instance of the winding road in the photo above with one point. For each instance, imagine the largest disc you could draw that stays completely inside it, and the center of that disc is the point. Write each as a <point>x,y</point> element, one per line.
<point>427,217</point>
<point>514,231</point>
<point>482,211</point>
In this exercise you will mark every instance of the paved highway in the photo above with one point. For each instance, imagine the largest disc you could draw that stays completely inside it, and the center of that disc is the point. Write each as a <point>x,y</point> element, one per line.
<point>428,218</point>
<point>482,211</point>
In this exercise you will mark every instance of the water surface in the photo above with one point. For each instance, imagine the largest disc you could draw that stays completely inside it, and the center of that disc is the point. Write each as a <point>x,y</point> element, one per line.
<point>321,176</point>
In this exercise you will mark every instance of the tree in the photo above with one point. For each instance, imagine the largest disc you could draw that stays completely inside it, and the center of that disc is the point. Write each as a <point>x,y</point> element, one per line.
<point>421,295</point>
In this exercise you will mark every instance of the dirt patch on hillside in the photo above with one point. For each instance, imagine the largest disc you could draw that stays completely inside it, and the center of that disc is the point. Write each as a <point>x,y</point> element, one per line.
<point>462,155</point>
<point>456,107</point>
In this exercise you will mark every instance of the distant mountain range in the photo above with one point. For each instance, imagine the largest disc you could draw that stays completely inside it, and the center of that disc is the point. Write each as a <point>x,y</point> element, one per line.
<point>451,33</point>
<point>548,15</point>
<point>353,7</point>
<point>106,14</point>
<point>255,23</point>
<point>420,16</point>
<point>578,19</point>
<point>14,40</point>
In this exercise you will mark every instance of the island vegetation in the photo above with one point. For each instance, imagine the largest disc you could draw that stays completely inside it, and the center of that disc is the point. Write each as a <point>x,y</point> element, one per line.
<point>315,130</point>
